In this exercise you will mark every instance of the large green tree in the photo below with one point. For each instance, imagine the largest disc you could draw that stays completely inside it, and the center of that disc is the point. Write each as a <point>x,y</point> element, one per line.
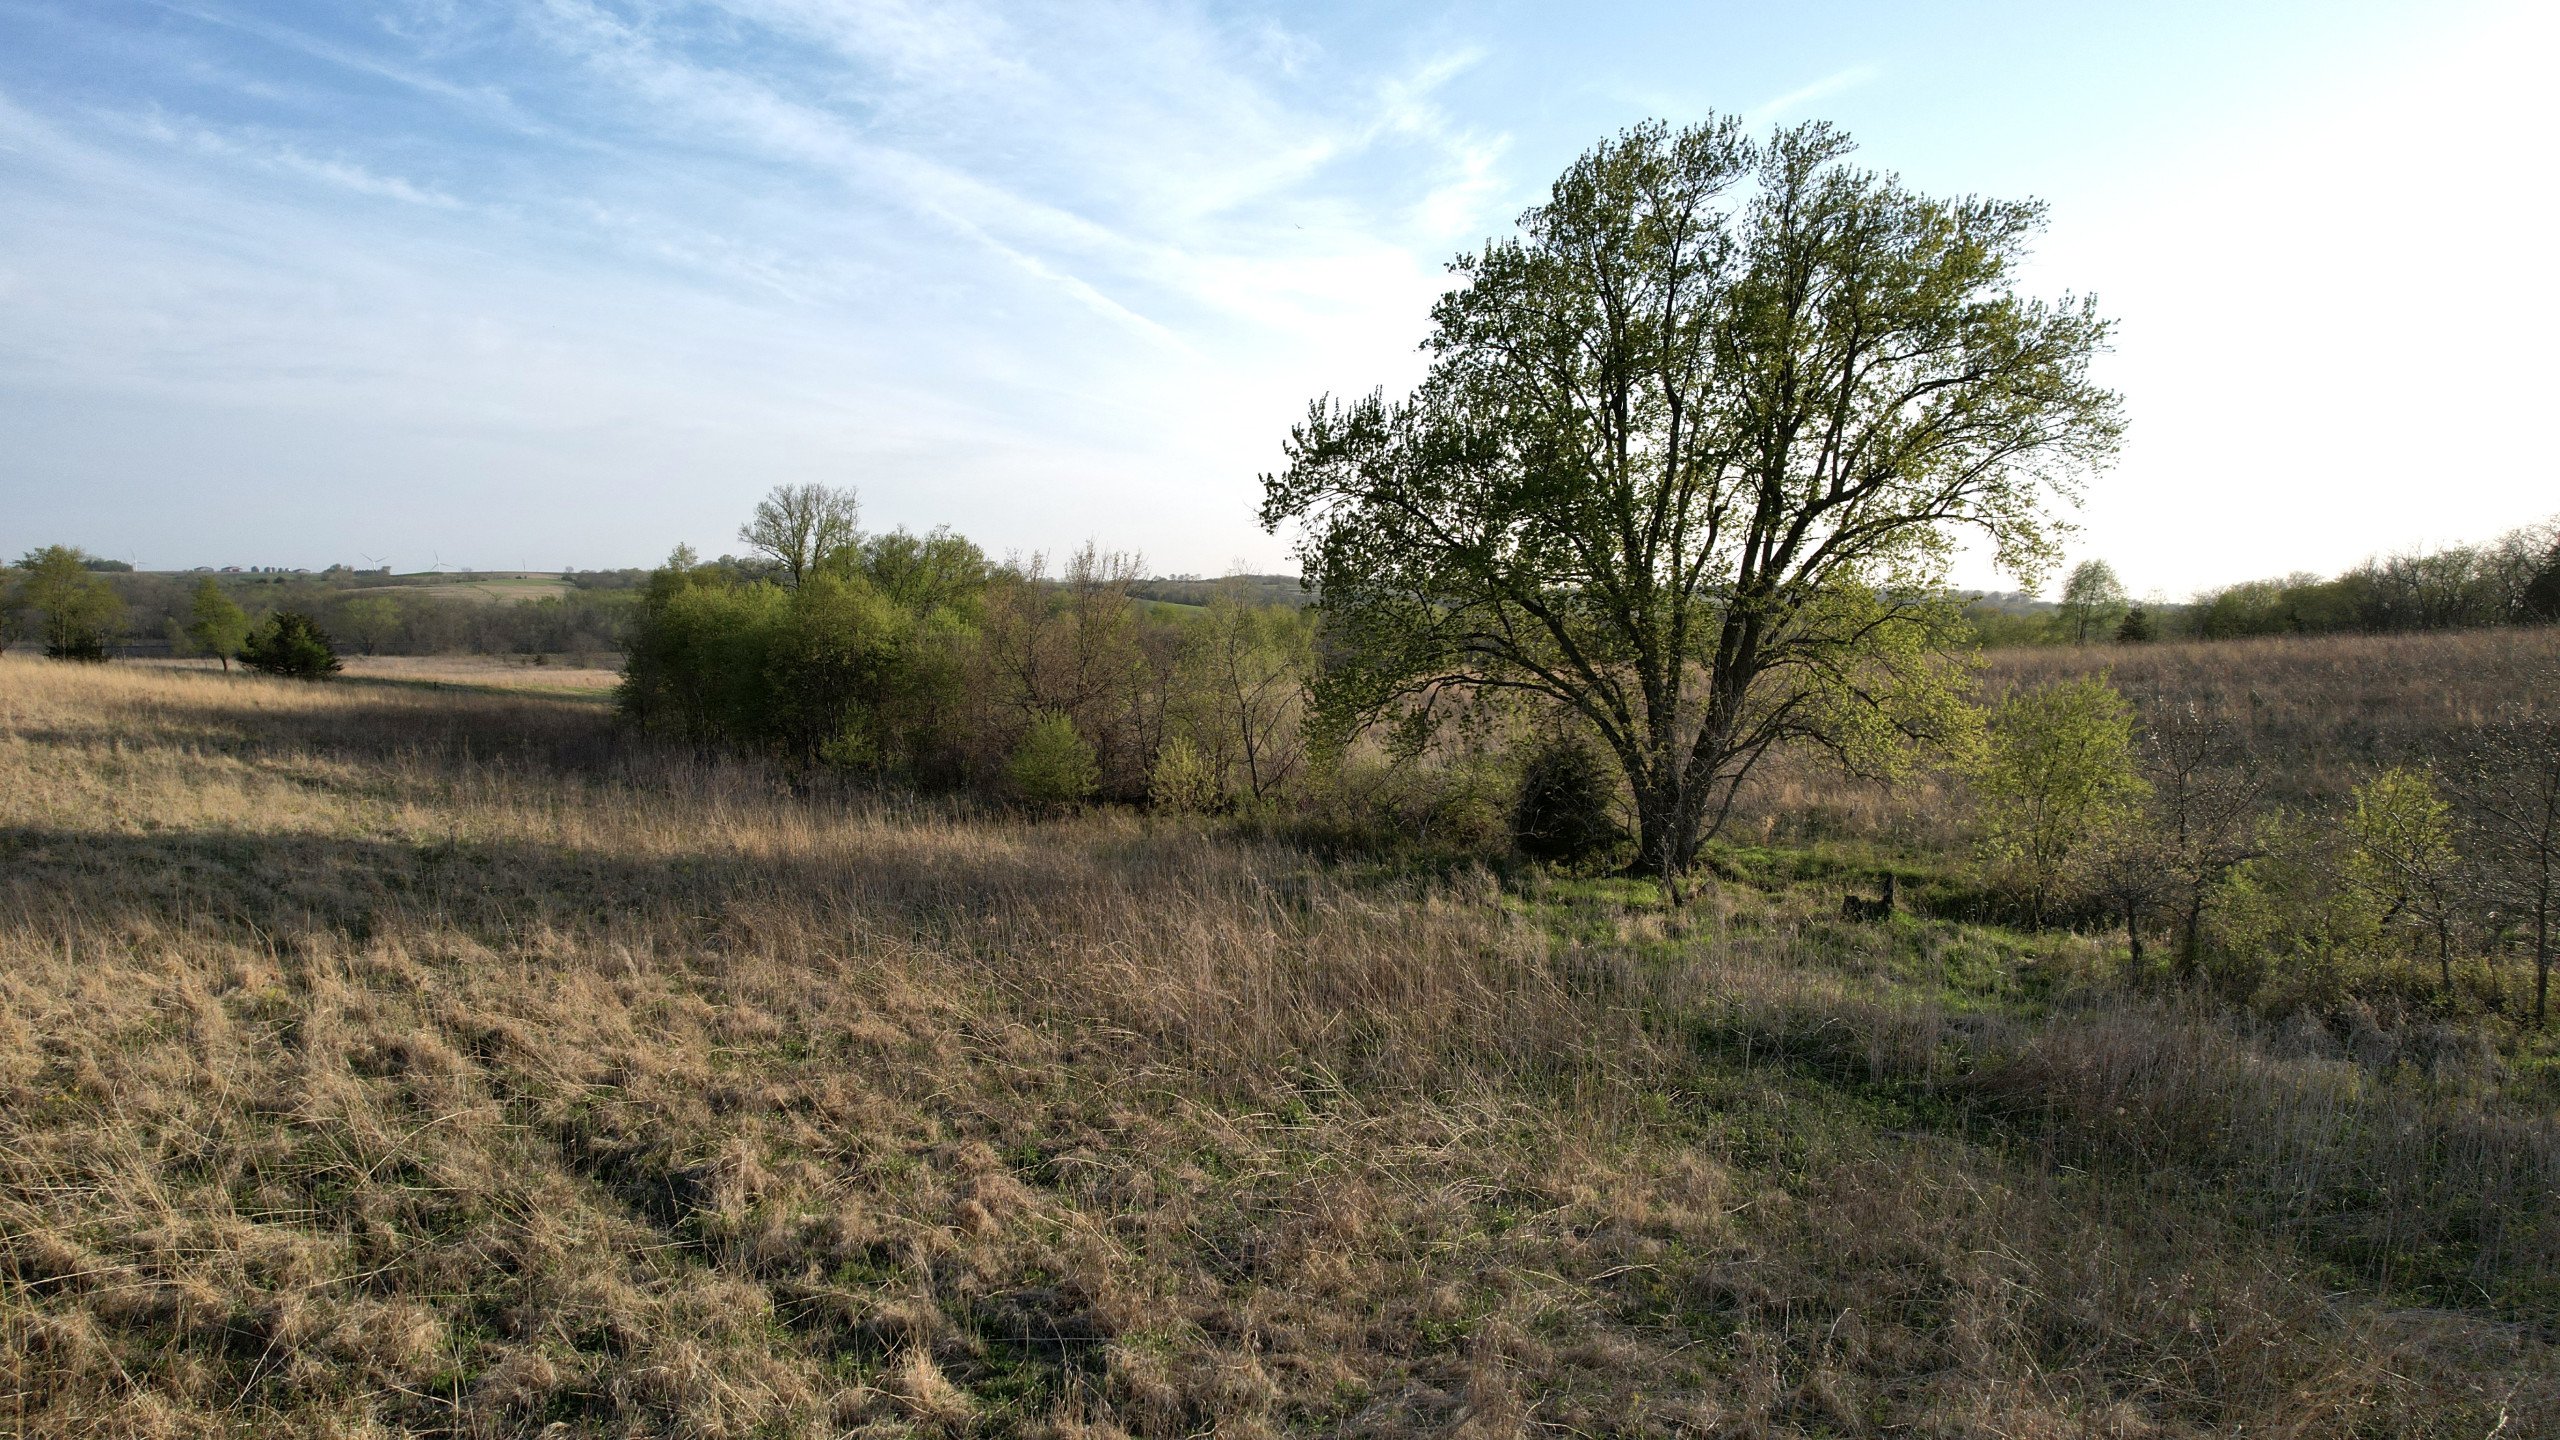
<point>1690,459</point>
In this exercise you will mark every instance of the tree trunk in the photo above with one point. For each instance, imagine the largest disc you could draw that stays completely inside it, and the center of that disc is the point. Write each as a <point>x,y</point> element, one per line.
<point>2542,960</point>
<point>2133,933</point>
<point>1666,831</point>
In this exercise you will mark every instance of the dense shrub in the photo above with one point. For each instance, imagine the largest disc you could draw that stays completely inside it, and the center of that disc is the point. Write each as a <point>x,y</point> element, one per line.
<point>77,613</point>
<point>1182,782</point>
<point>909,658</point>
<point>1054,767</point>
<point>290,644</point>
<point>842,670</point>
<point>1563,813</point>
<point>2055,776</point>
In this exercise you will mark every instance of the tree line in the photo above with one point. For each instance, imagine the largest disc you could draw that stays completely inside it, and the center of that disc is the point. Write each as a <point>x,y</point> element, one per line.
<point>63,597</point>
<point>2512,580</point>
<point>916,660</point>
<point>70,603</point>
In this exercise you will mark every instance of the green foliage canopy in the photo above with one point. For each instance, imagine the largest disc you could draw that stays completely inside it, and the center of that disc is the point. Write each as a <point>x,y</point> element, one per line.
<point>216,625</point>
<point>2055,774</point>
<point>2401,855</point>
<point>2093,602</point>
<point>1054,767</point>
<point>78,613</point>
<point>293,645</point>
<point>854,667</point>
<point>803,527</point>
<point>1690,459</point>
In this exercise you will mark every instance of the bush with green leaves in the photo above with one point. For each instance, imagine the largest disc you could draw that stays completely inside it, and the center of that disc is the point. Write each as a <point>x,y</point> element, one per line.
<point>2401,856</point>
<point>2293,931</point>
<point>1564,810</point>
<point>290,644</point>
<point>2055,775</point>
<point>78,613</point>
<point>1054,768</point>
<point>1182,781</point>
<point>857,667</point>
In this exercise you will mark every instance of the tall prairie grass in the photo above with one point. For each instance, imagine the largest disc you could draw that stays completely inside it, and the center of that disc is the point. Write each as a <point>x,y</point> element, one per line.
<point>403,1060</point>
<point>2318,715</point>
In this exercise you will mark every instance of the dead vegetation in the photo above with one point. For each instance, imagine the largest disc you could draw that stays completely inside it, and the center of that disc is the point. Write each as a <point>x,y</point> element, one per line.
<point>381,1060</point>
<point>2317,713</point>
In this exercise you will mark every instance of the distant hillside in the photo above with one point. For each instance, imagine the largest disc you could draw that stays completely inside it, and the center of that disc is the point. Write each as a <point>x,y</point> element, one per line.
<point>1253,589</point>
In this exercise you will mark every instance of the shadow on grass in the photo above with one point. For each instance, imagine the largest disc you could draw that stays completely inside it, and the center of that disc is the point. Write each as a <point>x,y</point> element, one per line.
<point>370,721</point>
<point>593,696</point>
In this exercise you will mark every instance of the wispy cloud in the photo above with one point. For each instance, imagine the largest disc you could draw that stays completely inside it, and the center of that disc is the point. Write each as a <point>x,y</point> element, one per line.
<point>958,250</point>
<point>289,160</point>
<point>1780,107</point>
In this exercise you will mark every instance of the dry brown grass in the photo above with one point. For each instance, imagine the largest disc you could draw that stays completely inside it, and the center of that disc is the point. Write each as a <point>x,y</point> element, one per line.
<point>2326,711</point>
<point>395,1060</point>
<point>2320,714</point>
<point>574,675</point>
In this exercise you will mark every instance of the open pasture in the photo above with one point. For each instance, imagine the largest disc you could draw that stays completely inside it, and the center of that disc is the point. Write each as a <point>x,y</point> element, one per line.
<point>387,1059</point>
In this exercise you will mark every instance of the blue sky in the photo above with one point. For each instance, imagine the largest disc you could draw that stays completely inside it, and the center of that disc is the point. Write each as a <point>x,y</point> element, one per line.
<point>563,282</point>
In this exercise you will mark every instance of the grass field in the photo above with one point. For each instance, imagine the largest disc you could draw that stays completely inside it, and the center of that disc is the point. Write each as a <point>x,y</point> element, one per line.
<point>2316,714</point>
<point>424,1056</point>
<point>490,588</point>
<point>576,678</point>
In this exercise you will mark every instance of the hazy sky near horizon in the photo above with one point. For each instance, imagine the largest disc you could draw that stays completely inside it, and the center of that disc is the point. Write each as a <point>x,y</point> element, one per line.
<point>565,282</point>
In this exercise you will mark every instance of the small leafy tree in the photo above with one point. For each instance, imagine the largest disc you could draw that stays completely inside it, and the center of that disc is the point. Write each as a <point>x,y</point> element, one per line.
<point>831,649</point>
<point>2056,773</point>
<point>2092,602</point>
<point>1054,768</point>
<point>2402,857</point>
<point>216,625</point>
<point>289,644</point>
<point>2137,627</point>
<point>2292,905</point>
<point>78,612</point>
<point>1240,686</point>
<point>698,660</point>
<point>1563,813</point>
<point>934,574</point>
<point>1182,781</point>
